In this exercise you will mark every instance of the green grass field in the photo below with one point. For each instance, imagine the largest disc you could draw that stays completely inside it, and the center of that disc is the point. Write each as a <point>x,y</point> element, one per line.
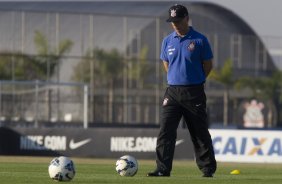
<point>34,170</point>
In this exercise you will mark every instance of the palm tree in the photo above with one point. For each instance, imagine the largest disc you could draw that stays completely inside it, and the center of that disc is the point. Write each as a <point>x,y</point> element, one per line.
<point>141,68</point>
<point>108,66</point>
<point>139,72</point>
<point>109,70</point>
<point>17,66</point>
<point>225,77</point>
<point>50,57</point>
<point>28,67</point>
<point>21,66</point>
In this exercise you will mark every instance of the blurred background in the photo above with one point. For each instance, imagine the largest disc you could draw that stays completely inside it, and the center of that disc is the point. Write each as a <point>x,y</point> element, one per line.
<point>96,63</point>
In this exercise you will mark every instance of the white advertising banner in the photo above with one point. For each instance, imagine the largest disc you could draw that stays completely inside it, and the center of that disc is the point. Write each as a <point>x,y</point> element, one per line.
<point>257,146</point>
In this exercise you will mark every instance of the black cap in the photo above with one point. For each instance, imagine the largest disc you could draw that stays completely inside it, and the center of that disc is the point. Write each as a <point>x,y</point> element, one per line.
<point>176,13</point>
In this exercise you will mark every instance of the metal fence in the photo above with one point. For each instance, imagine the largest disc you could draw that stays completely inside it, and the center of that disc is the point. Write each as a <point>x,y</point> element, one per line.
<point>127,97</point>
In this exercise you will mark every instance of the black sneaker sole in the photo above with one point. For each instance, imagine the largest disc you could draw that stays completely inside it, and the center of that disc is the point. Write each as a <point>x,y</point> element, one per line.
<point>149,175</point>
<point>157,174</point>
<point>208,175</point>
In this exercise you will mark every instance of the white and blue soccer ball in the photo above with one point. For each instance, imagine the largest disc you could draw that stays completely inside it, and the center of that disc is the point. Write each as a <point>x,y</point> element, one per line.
<point>127,166</point>
<point>61,169</point>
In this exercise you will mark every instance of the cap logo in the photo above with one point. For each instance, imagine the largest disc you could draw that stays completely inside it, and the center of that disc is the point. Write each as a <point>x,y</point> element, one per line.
<point>173,13</point>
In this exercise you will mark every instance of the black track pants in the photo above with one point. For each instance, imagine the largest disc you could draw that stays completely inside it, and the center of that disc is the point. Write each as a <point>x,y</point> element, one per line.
<point>189,102</point>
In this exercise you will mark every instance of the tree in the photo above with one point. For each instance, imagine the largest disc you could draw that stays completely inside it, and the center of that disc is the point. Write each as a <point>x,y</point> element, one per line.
<point>48,57</point>
<point>22,66</point>
<point>141,69</point>
<point>108,67</point>
<point>17,66</point>
<point>225,77</point>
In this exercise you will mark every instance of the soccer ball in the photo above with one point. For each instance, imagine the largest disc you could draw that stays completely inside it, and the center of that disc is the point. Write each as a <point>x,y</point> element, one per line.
<point>61,169</point>
<point>127,166</point>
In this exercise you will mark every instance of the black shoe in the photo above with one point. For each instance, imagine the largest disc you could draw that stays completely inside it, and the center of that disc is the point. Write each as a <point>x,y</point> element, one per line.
<point>208,172</point>
<point>208,175</point>
<point>158,173</point>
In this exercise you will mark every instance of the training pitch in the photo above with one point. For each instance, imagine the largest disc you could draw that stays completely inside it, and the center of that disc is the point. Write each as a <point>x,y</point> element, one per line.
<point>29,170</point>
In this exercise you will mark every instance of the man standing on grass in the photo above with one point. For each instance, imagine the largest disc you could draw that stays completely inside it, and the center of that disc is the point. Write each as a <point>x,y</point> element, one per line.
<point>187,59</point>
